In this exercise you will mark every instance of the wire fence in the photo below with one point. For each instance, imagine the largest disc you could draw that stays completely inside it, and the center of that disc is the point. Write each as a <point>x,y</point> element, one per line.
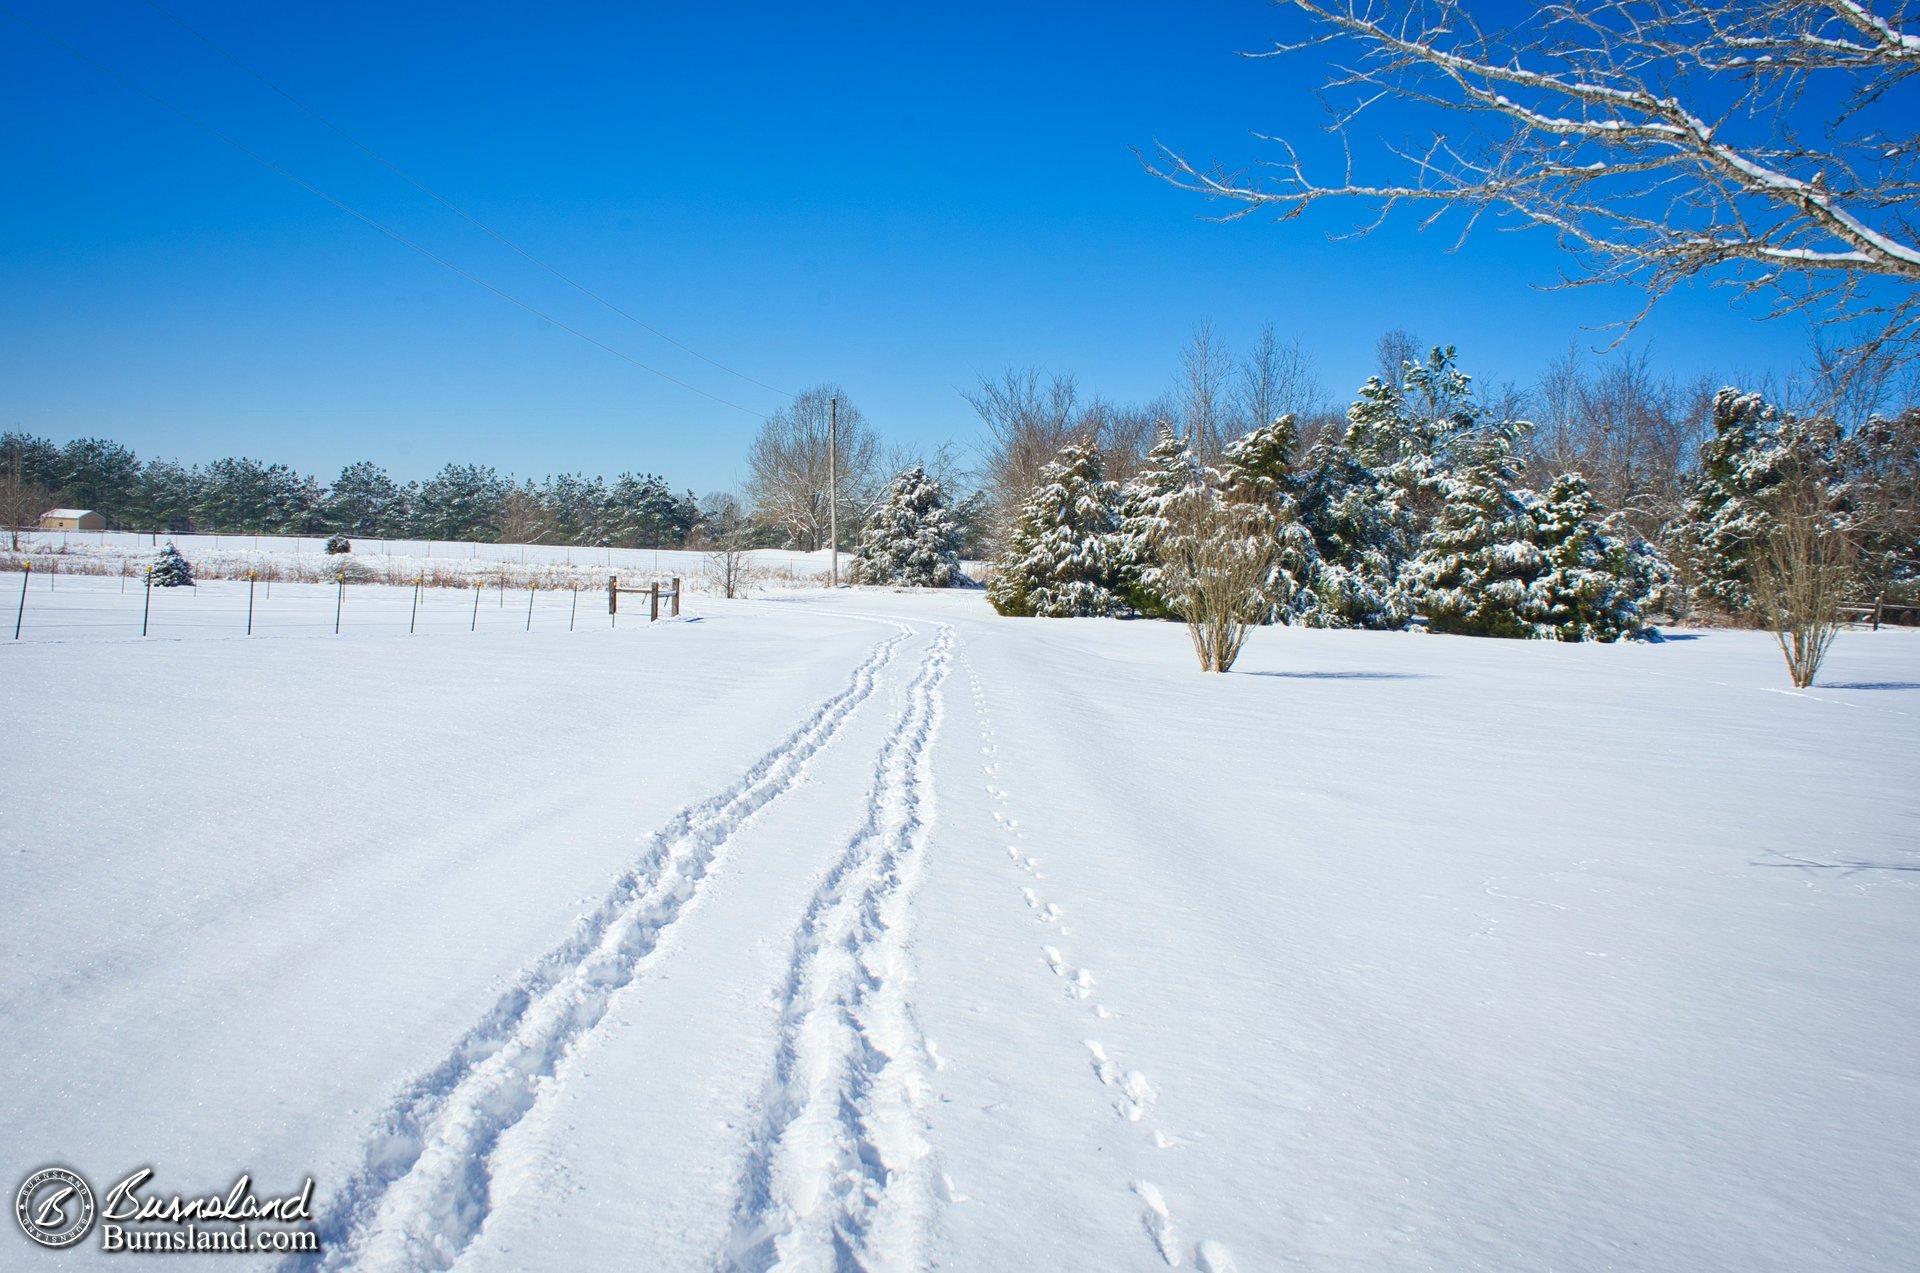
<point>226,552</point>
<point>42,605</point>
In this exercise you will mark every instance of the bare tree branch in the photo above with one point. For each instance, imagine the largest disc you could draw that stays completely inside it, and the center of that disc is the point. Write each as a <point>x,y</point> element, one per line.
<point>1772,146</point>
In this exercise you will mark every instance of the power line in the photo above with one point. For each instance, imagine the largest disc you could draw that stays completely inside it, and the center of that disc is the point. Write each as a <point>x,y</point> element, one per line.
<point>358,215</point>
<point>453,207</point>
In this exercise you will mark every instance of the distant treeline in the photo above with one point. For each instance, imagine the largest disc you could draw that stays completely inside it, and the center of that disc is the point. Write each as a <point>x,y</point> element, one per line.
<point>247,497</point>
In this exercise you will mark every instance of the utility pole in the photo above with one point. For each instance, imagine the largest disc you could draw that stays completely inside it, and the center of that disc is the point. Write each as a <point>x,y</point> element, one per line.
<point>833,485</point>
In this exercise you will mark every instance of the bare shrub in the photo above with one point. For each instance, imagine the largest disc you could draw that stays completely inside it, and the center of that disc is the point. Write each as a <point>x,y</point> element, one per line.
<point>1801,569</point>
<point>21,501</point>
<point>1214,557</point>
<point>728,566</point>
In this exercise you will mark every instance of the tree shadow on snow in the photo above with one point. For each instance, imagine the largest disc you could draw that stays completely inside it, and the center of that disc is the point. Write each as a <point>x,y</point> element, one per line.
<point>1788,860</point>
<point>1868,685</point>
<point>1346,676</point>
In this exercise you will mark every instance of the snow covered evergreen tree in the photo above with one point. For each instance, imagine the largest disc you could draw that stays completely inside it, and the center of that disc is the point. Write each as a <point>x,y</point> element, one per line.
<point>1754,448</point>
<point>1169,471</point>
<point>1256,471</point>
<point>1593,589</point>
<point>1480,564</point>
<point>1882,464</point>
<point>1066,556</point>
<point>911,539</point>
<point>1413,439</point>
<point>170,569</point>
<point>1364,538</point>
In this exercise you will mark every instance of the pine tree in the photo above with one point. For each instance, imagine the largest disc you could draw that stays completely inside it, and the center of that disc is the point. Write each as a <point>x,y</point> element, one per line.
<point>1256,471</point>
<point>1415,439</point>
<point>1364,538</point>
<point>1066,556</point>
<point>1882,465</point>
<point>170,569</point>
<point>1169,470</point>
<point>1754,448</point>
<point>364,501</point>
<point>1479,565</point>
<point>1592,589</point>
<point>911,539</point>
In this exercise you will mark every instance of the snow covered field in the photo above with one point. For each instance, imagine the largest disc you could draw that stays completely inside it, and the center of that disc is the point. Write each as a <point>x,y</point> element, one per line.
<point>847,929</point>
<point>394,562</point>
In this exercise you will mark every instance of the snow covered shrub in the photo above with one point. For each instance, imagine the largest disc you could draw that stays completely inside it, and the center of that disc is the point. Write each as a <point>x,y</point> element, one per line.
<point>1066,556</point>
<point>1753,450</point>
<point>352,569</point>
<point>339,544</point>
<point>170,569</point>
<point>1593,588</point>
<point>1479,566</point>
<point>1881,461</point>
<point>1651,578</point>
<point>1413,439</point>
<point>911,539</point>
<point>1256,473</point>
<point>1169,471</point>
<point>1363,539</point>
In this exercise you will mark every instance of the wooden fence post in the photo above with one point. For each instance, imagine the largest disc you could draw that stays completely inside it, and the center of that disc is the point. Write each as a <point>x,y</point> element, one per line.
<point>653,594</point>
<point>676,598</point>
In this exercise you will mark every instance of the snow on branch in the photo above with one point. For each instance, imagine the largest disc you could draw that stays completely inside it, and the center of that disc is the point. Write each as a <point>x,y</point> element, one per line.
<point>1769,145</point>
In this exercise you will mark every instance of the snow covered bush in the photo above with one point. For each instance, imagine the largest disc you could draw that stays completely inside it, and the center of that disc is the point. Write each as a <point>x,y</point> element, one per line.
<point>1480,564</point>
<point>1881,460</point>
<point>1754,449</point>
<point>1169,471</point>
<point>912,539</point>
<point>339,544</point>
<point>170,569</point>
<point>1363,538</point>
<point>1256,473</point>
<point>351,569</point>
<point>1414,438</point>
<point>1066,556</point>
<point>1594,586</point>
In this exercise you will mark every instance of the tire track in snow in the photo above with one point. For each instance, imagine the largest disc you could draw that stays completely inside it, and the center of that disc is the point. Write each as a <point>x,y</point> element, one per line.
<point>840,1175</point>
<point>1135,1094</point>
<point>424,1191</point>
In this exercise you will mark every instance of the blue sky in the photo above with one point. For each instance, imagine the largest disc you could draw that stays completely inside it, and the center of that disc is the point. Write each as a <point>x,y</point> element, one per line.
<point>893,197</point>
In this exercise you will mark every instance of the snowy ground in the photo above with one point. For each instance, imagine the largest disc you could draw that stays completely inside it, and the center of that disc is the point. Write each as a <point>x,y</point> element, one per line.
<point>854,928</point>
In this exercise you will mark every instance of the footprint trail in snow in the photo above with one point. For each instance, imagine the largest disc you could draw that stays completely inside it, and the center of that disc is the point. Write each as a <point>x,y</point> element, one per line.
<point>1133,1093</point>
